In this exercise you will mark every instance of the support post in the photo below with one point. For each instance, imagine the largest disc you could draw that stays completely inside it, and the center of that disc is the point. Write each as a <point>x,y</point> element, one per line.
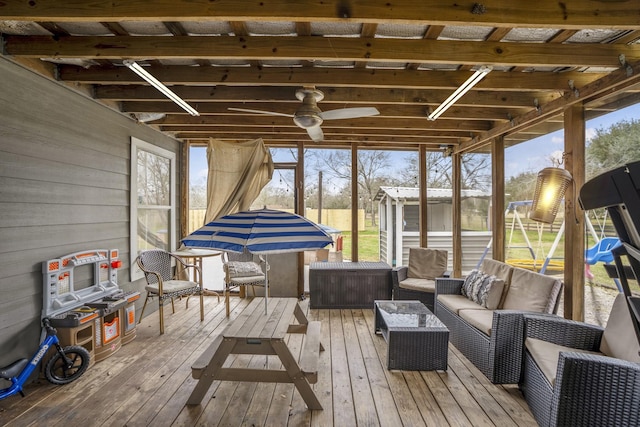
<point>497,198</point>
<point>456,232</point>
<point>423,186</point>
<point>574,158</point>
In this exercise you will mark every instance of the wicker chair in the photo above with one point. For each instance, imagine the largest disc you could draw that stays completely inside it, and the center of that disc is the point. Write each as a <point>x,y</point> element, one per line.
<point>242,270</point>
<point>417,280</point>
<point>163,283</point>
<point>568,379</point>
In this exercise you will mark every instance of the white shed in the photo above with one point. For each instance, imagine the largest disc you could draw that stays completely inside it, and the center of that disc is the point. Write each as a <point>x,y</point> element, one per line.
<point>396,237</point>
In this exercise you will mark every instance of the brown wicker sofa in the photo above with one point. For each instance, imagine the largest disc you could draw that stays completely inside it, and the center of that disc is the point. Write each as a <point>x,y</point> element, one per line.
<point>576,374</point>
<point>492,336</point>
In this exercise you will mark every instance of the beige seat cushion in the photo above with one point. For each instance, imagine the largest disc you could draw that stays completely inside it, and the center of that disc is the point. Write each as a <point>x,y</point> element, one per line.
<point>247,280</point>
<point>243,269</point>
<point>421,285</point>
<point>531,291</point>
<point>619,338</point>
<point>455,303</point>
<point>547,354</point>
<point>479,319</point>
<point>171,286</point>
<point>426,263</point>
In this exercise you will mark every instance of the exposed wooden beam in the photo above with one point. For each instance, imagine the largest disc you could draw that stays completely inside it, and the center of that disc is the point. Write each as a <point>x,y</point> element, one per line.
<point>340,96</point>
<point>569,14</point>
<point>303,136</point>
<point>335,78</point>
<point>252,131</point>
<point>386,110</point>
<point>323,48</point>
<point>361,123</point>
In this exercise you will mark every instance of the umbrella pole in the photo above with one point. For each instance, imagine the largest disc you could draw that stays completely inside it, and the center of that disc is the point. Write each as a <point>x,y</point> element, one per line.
<point>266,283</point>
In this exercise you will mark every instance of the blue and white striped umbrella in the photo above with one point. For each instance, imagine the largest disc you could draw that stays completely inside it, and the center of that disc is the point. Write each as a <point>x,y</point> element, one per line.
<point>264,231</point>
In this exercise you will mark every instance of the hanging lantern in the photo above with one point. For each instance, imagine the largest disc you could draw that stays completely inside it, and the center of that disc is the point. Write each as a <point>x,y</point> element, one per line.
<point>550,188</point>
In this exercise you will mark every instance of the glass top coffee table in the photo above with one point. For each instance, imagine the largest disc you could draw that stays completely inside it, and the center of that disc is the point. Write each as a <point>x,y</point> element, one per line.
<point>416,339</point>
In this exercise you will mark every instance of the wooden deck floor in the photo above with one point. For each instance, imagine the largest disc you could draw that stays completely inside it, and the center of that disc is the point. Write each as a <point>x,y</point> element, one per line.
<point>148,381</point>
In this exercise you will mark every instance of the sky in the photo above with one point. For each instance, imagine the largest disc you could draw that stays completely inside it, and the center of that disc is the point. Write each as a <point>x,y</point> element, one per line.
<point>535,154</point>
<point>530,156</point>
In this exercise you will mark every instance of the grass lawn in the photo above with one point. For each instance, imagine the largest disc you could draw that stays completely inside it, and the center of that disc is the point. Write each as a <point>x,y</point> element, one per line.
<point>368,244</point>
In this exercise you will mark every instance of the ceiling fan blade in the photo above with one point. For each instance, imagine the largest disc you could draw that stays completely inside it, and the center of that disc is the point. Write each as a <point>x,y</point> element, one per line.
<point>269,113</point>
<point>315,133</point>
<point>349,113</point>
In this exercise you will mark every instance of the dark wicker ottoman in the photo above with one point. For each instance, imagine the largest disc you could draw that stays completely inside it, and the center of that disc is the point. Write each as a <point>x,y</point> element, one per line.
<point>416,339</point>
<point>348,284</point>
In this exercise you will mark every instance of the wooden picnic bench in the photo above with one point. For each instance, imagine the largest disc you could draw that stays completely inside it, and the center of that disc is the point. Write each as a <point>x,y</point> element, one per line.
<point>254,332</point>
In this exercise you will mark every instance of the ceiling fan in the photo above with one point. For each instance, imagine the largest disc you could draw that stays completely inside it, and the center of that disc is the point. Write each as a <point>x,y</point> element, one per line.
<point>310,117</point>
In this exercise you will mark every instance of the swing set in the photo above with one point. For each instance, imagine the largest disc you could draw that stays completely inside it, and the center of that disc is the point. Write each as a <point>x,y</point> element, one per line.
<point>600,252</point>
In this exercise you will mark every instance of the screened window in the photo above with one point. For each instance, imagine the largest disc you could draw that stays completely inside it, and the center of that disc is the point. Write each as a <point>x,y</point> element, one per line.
<point>152,200</point>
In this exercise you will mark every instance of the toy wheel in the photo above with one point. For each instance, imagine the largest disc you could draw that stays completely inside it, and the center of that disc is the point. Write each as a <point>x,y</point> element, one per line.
<point>59,372</point>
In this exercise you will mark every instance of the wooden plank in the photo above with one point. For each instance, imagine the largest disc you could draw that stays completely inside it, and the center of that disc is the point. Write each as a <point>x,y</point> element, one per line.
<point>382,396</point>
<point>309,358</point>
<point>360,385</point>
<point>217,405</point>
<point>205,358</point>
<point>280,411</point>
<point>474,399</point>
<point>576,15</point>
<point>452,411</point>
<point>324,386</point>
<point>508,396</point>
<point>241,399</point>
<point>236,324</point>
<point>322,49</point>
<point>286,317</point>
<point>427,404</point>
<point>342,397</point>
<point>406,407</point>
<point>295,375</point>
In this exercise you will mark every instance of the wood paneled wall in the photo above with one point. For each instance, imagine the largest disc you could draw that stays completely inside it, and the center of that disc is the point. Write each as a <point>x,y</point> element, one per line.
<point>64,187</point>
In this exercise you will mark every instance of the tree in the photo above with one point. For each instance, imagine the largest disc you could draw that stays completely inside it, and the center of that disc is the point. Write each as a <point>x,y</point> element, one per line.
<point>373,166</point>
<point>521,186</point>
<point>476,171</point>
<point>613,147</point>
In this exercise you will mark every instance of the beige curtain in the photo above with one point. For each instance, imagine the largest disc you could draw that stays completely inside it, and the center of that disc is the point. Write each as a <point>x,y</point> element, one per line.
<point>237,173</point>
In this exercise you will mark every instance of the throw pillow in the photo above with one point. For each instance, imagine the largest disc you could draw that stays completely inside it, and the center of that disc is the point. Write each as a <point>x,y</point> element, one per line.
<point>490,292</point>
<point>474,286</point>
<point>467,286</point>
<point>244,269</point>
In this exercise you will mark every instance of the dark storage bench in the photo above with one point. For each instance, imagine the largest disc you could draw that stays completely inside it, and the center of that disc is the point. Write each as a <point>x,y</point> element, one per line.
<point>348,284</point>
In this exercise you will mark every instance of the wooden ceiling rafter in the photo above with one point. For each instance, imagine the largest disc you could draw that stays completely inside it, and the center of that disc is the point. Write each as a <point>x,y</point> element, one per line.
<point>322,48</point>
<point>544,13</point>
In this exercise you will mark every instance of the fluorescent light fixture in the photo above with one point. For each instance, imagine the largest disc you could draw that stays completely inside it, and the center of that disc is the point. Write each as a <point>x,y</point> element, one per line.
<point>458,93</point>
<point>136,68</point>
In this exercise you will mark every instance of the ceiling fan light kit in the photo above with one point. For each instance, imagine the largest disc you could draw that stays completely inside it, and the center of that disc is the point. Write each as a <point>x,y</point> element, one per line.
<point>459,93</point>
<point>309,116</point>
<point>144,74</point>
